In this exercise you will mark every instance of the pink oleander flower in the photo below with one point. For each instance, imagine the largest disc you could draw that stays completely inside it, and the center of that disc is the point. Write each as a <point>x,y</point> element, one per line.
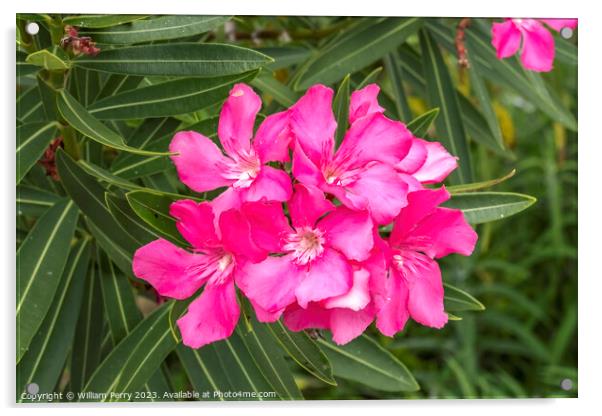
<point>537,51</point>
<point>421,233</point>
<point>425,162</point>
<point>214,262</point>
<point>317,254</point>
<point>202,166</point>
<point>361,173</point>
<point>346,316</point>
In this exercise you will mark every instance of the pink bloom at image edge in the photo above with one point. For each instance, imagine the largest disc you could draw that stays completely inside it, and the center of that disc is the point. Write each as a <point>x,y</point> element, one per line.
<point>537,53</point>
<point>337,272</point>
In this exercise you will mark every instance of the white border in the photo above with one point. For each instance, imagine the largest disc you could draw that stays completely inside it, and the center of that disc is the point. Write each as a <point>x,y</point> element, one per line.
<point>589,203</point>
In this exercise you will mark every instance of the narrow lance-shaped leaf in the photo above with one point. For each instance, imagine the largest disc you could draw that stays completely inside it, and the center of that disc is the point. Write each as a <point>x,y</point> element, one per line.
<point>442,94</point>
<point>421,124</point>
<point>81,120</point>
<point>301,348</point>
<point>476,186</point>
<point>44,361</point>
<point>157,28</point>
<point>356,50</point>
<point>480,207</point>
<point>40,262</point>
<point>457,300</point>
<point>85,354</point>
<point>168,98</point>
<point>395,73</point>
<point>34,201</point>
<point>101,20</point>
<point>176,59</point>
<point>364,361</point>
<point>341,108</point>
<point>32,141</point>
<point>52,59</point>
<point>268,357</point>
<point>29,106</point>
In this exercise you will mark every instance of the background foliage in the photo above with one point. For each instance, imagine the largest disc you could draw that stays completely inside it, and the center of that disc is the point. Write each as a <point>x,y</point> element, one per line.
<point>86,324</point>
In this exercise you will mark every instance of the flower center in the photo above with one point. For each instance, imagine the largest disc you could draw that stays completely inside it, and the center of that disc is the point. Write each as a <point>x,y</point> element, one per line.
<point>244,169</point>
<point>215,266</point>
<point>305,244</point>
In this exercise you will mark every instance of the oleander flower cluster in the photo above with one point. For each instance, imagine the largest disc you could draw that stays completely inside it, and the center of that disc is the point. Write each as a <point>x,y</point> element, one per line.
<point>318,236</point>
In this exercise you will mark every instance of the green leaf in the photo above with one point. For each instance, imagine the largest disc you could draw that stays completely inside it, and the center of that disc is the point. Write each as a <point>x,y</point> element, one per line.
<point>32,141</point>
<point>457,300</point>
<point>89,196</point>
<point>101,20</point>
<point>34,201</point>
<point>365,361</point>
<point>356,50</point>
<point>168,98</point>
<point>395,72</point>
<point>40,262</point>
<point>470,187</point>
<point>117,83</point>
<point>421,124</point>
<point>52,59</point>
<point>285,56</point>
<point>48,94</point>
<point>84,85</point>
<point>136,358</point>
<point>341,108</point>
<point>281,93</point>
<point>153,208</point>
<point>301,348</point>
<point>24,68</point>
<point>566,51</point>
<point>269,359</point>
<point>157,28</point>
<point>81,120</point>
<point>176,59</point>
<point>29,106</point>
<point>368,79</point>
<point>44,361</point>
<point>85,354</point>
<point>139,229</point>
<point>442,94</point>
<point>480,207</point>
<point>477,84</point>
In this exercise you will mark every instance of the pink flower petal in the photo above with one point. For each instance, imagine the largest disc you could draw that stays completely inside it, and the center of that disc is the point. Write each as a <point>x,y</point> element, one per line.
<point>167,268</point>
<point>211,317</point>
<point>558,24</point>
<point>350,232</point>
<point>393,313</point>
<point>346,324</point>
<point>307,205</point>
<point>538,47</point>
<point>364,102</point>
<point>420,205</point>
<point>505,38</point>
<point>313,123</point>
<point>304,170</point>
<point>326,276</point>
<point>268,224</point>
<point>415,158</point>
<point>297,318</point>
<point>447,231</point>
<point>438,164</point>
<point>236,119</point>
<point>273,137</point>
<point>425,298</point>
<point>358,296</point>
<point>374,138</point>
<point>199,162</point>
<point>195,222</point>
<point>381,189</point>
<point>272,184</point>
<point>270,284</point>
<point>236,236</point>
<point>265,316</point>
